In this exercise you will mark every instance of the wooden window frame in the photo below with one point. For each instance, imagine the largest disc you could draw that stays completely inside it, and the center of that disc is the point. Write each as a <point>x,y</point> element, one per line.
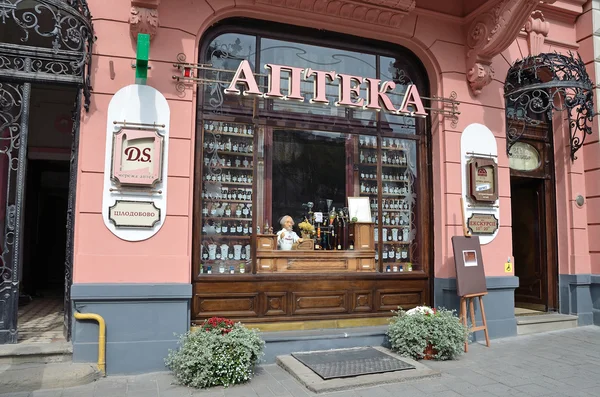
<point>268,120</point>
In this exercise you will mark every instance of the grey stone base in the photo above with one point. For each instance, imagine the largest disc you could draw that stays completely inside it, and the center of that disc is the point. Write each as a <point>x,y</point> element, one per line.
<point>579,294</point>
<point>499,304</point>
<point>595,296</point>
<point>316,384</point>
<point>285,342</point>
<point>142,321</point>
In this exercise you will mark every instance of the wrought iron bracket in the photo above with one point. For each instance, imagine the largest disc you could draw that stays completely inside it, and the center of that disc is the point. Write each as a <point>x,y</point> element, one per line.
<point>537,86</point>
<point>189,75</point>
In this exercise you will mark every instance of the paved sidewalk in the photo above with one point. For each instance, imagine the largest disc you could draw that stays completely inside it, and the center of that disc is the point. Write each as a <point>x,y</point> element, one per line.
<point>560,363</point>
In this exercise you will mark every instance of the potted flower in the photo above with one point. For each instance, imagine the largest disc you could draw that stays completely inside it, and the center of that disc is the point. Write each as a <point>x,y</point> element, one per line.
<point>306,229</point>
<point>426,333</point>
<point>218,352</point>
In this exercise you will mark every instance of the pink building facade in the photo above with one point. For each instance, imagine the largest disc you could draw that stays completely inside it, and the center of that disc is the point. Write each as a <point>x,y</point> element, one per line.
<point>548,195</point>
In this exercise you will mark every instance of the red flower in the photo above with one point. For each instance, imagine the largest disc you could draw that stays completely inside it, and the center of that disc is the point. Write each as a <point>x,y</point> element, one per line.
<point>219,323</point>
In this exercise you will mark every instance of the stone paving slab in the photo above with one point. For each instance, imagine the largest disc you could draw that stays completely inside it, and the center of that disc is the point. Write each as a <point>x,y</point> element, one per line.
<point>26,377</point>
<point>561,363</point>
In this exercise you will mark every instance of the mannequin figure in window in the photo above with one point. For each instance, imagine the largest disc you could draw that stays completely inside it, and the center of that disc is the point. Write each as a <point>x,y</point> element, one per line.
<point>286,237</point>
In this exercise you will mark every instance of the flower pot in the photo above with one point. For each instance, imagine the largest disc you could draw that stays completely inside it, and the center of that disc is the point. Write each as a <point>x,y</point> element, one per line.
<point>430,352</point>
<point>305,236</point>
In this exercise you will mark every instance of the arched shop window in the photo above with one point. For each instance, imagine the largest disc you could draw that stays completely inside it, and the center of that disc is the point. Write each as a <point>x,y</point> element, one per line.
<point>259,159</point>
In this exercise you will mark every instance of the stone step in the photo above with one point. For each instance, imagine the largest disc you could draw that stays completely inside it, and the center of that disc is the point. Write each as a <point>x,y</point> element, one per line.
<point>36,353</point>
<point>544,323</point>
<point>30,377</point>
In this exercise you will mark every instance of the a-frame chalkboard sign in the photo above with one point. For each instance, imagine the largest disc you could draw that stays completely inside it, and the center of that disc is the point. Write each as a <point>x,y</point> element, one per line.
<point>470,280</point>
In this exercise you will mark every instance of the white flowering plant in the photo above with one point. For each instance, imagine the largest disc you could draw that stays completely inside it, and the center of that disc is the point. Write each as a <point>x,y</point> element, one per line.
<point>211,356</point>
<point>425,332</point>
<point>426,310</point>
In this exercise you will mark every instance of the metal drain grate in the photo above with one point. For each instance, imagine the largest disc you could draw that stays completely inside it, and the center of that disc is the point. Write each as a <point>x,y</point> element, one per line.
<point>344,363</point>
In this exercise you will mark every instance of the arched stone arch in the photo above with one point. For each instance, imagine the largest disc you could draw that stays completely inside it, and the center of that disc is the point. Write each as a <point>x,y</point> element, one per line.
<point>339,24</point>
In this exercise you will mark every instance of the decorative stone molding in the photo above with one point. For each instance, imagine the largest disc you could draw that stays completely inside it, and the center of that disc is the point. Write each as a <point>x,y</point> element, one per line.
<point>537,29</point>
<point>479,76</point>
<point>490,33</point>
<point>144,17</point>
<point>379,12</point>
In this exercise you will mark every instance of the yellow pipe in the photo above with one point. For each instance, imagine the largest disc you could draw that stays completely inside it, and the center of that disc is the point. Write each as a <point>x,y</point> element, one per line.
<point>101,337</point>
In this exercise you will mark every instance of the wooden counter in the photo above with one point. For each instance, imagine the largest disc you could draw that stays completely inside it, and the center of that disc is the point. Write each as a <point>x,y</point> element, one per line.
<point>361,259</point>
<point>297,261</point>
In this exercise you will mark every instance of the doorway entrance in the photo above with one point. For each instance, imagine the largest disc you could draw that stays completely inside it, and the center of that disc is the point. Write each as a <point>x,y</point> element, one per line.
<point>529,243</point>
<point>534,227</point>
<point>40,315</point>
<point>42,285</point>
<point>52,65</point>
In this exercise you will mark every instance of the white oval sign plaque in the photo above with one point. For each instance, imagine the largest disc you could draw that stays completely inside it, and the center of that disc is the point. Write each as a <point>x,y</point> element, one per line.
<point>523,157</point>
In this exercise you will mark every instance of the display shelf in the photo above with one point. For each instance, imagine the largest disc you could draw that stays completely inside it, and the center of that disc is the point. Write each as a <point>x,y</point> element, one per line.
<point>224,127</point>
<point>395,181</point>
<point>397,191</point>
<point>393,165</point>
<point>249,184</point>
<point>225,167</point>
<point>229,153</point>
<point>222,196</point>
<point>384,148</point>
<point>383,169</point>
<point>237,135</point>
<point>230,259</point>
<point>368,180</point>
<point>224,267</point>
<point>230,201</point>
<point>233,183</point>
<point>227,218</point>
<point>225,237</point>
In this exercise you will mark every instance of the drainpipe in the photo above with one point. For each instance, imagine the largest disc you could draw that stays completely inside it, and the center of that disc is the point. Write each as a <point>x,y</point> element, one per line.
<point>101,337</point>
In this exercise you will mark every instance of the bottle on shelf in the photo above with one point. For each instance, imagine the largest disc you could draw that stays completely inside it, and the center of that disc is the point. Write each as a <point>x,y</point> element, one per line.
<point>318,237</point>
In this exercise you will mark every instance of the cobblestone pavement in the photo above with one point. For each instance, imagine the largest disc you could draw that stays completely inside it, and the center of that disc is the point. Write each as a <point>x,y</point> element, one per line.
<point>560,363</point>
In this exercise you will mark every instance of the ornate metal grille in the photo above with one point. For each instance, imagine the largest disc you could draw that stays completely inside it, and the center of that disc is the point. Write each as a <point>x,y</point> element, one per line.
<point>41,41</point>
<point>536,86</point>
<point>56,35</point>
<point>14,115</point>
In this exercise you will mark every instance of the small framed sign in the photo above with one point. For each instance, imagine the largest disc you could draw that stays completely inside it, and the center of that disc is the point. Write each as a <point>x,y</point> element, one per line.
<point>482,223</point>
<point>359,209</point>
<point>137,157</point>
<point>483,179</point>
<point>137,214</point>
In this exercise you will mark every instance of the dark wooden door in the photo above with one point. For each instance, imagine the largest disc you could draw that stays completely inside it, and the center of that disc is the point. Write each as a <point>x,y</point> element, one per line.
<point>529,240</point>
